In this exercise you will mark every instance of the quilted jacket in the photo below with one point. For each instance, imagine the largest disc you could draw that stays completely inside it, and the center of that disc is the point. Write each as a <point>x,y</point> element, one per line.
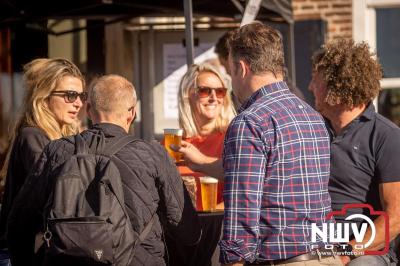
<point>152,172</point>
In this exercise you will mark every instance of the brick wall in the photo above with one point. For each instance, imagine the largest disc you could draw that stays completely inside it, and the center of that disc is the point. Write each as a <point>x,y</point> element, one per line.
<point>337,14</point>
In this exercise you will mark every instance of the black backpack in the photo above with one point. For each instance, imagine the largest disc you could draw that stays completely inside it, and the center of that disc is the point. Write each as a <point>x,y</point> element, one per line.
<point>86,222</point>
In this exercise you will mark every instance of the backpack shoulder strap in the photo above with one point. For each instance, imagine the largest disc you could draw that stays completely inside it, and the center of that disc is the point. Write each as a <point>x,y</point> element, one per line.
<point>111,149</point>
<point>116,145</point>
<point>80,145</point>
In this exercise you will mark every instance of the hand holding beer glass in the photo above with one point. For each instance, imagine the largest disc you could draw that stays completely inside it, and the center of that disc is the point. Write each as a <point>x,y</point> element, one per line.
<point>173,136</point>
<point>209,188</point>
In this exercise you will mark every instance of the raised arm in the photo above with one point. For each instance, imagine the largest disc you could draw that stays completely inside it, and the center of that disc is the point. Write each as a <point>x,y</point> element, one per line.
<point>199,162</point>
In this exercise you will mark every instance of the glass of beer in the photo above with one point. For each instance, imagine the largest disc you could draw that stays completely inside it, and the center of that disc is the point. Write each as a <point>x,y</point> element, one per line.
<point>209,187</point>
<point>173,136</point>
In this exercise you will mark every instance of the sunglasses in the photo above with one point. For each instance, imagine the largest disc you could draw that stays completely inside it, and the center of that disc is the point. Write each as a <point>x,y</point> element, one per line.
<point>71,96</point>
<point>203,92</point>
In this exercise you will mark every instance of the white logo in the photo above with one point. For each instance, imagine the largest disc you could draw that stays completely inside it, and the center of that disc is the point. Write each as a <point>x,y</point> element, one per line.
<point>340,232</point>
<point>99,253</point>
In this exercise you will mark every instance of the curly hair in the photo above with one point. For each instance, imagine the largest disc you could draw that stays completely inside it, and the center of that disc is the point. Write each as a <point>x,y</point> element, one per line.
<point>350,71</point>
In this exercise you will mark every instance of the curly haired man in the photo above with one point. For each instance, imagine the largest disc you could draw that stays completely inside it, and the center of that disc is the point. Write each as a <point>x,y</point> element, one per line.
<point>365,146</point>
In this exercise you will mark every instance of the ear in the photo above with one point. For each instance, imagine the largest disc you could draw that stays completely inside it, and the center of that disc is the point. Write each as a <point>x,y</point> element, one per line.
<point>132,117</point>
<point>244,68</point>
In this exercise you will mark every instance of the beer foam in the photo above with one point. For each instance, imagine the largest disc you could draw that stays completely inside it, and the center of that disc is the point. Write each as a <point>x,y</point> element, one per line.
<point>208,180</point>
<point>173,131</point>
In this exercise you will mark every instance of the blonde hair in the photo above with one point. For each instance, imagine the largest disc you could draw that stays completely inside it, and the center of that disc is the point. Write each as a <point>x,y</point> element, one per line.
<point>186,113</point>
<point>112,94</point>
<point>41,77</point>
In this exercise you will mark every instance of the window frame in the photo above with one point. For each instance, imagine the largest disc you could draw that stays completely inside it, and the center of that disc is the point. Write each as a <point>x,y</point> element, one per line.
<point>364,29</point>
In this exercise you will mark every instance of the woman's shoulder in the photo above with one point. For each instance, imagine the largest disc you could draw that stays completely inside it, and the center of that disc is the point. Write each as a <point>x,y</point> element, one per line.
<point>33,132</point>
<point>32,137</point>
<point>25,131</point>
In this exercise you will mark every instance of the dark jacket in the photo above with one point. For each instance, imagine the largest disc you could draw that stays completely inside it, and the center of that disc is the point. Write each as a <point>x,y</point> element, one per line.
<point>26,151</point>
<point>153,173</point>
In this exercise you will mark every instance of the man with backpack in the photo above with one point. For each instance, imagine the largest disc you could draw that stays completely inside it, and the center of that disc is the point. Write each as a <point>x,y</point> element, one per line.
<point>101,197</point>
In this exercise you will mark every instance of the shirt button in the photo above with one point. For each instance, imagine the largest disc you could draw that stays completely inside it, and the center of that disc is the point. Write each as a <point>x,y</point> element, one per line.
<point>301,106</point>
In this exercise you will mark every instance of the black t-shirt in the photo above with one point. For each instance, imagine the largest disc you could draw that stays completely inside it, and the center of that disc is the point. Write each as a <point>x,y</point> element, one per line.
<point>365,154</point>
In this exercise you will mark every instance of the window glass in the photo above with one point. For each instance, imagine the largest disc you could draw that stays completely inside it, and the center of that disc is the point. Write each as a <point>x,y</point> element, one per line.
<point>389,104</point>
<point>388,40</point>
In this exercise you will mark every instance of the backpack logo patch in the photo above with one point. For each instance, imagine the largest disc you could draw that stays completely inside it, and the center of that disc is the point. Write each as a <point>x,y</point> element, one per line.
<point>99,253</point>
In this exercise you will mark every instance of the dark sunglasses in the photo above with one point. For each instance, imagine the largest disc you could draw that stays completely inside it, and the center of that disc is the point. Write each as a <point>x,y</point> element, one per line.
<point>71,96</point>
<point>203,92</point>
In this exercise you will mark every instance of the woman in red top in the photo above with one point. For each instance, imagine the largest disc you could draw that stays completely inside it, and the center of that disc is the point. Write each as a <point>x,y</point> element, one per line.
<point>205,111</point>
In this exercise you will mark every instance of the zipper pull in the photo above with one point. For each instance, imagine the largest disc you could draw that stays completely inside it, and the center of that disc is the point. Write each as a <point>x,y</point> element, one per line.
<point>47,236</point>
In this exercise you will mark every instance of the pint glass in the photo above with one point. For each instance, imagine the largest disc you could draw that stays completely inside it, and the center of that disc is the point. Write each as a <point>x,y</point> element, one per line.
<point>173,136</point>
<point>209,188</point>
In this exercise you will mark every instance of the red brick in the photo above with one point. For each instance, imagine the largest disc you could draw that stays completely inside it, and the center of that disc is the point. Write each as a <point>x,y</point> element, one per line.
<point>307,7</point>
<point>322,6</point>
<point>310,16</point>
<point>341,5</point>
<point>348,28</point>
<point>337,13</point>
<point>342,21</point>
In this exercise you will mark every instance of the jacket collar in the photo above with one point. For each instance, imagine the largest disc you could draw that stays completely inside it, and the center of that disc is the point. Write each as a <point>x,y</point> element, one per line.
<point>109,129</point>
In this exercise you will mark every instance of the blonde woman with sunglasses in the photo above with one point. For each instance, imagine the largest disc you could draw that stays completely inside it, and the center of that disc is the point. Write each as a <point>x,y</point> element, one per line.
<point>54,95</point>
<point>205,111</point>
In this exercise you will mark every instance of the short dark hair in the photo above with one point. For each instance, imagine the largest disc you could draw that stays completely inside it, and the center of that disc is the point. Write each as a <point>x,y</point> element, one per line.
<point>260,46</point>
<point>351,72</point>
<point>222,45</point>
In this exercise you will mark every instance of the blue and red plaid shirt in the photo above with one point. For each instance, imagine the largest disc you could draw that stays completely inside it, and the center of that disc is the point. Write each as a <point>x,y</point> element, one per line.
<point>276,162</point>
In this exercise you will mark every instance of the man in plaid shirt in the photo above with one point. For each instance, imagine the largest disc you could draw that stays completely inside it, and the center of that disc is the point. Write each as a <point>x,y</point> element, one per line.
<point>276,161</point>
